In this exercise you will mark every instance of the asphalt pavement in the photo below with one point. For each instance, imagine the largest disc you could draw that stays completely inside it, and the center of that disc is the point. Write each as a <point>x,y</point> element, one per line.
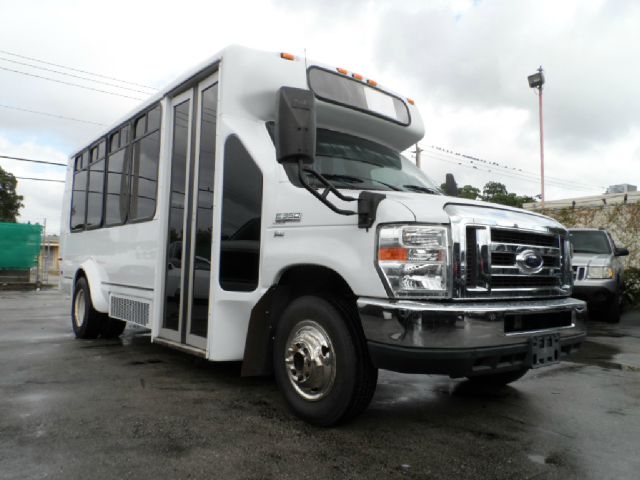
<point>127,408</point>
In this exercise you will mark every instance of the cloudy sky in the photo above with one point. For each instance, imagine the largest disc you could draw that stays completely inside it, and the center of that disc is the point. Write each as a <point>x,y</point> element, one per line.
<point>464,62</point>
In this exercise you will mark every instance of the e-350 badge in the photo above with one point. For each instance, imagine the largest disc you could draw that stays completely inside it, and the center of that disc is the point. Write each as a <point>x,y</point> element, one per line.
<point>288,217</point>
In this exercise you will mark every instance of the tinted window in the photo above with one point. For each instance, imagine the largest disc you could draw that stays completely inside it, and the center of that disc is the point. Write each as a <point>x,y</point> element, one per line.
<point>124,135</point>
<point>144,175</point>
<point>356,163</point>
<point>204,216</point>
<point>115,141</point>
<point>94,194</point>
<point>241,217</point>
<point>117,189</point>
<point>153,119</point>
<point>589,242</point>
<point>349,92</point>
<point>140,127</point>
<point>179,150</point>
<point>78,200</point>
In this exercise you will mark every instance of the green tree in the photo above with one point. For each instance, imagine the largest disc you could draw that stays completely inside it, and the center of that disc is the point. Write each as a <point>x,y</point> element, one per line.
<point>496,192</point>
<point>10,201</point>
<point>472,193</point>
<point>468,191</point>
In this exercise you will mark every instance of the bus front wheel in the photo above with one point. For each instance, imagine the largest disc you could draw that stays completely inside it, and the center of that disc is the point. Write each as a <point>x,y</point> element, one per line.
<point>86,321</point>
<point>321,362</point>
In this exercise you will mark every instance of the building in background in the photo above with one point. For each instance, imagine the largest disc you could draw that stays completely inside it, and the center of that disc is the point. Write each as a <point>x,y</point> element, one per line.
<point>50,254</point>
<point>621,188</point>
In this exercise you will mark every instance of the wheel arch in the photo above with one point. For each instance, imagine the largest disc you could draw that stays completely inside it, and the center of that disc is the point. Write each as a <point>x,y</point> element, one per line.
<point>292,282</point>
<point>90,271</point>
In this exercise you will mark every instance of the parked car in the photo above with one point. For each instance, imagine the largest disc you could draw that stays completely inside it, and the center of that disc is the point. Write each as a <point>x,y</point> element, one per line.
<point>597,271</point>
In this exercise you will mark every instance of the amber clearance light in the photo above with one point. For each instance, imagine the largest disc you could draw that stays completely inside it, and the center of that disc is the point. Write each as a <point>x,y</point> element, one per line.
<point>393,254</point>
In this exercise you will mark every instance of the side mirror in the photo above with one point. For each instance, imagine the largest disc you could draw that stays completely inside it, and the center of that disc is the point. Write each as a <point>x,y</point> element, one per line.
<point>621,252</point>
<point>295,132</point>
<point>450,186</point>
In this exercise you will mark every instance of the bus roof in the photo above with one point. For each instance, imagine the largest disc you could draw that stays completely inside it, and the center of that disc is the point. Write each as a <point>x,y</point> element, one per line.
<point>209,65</point>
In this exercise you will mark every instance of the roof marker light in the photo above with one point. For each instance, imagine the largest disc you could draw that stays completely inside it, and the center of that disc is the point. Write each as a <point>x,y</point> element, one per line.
<point>411,102</point>
<point>373,83</point>
<point>357,76</point>
<point>342,71</point>
<point>287,56</point>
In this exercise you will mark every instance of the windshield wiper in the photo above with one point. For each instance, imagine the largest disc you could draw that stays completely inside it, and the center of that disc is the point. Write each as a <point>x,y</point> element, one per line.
<point>420,188</point>
<point>352,179</point>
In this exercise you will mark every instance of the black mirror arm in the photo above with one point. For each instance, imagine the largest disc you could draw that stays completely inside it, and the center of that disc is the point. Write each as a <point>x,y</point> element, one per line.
<point>328,189</point>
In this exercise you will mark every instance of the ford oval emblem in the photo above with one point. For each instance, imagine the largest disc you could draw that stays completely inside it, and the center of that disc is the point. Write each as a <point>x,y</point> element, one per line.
<point>529,261</point>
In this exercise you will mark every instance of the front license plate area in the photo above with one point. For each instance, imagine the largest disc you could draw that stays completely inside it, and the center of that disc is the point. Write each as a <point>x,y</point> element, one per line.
<point>544,350</point>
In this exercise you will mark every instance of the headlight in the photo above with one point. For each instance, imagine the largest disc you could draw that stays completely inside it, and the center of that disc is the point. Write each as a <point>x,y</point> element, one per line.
<point>414,259</point>
<point>600,272</point>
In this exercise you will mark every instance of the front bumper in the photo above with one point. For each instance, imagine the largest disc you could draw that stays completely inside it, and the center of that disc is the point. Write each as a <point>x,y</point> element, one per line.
<point>466,338</point>
<point>595,290</point>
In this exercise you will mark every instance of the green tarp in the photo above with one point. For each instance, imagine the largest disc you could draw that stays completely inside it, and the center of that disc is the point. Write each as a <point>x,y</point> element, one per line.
<point>19,245</point>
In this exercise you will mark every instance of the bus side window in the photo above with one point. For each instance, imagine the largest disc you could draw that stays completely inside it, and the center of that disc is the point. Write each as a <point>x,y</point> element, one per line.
<point>144,171</point>
<point>95,186</point>
<point>79,192</point>
<point>117,190</point>
<point>241,218</point>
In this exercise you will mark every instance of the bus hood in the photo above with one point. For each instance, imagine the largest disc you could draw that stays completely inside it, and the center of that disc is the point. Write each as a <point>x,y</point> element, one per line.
<point>442,209</point>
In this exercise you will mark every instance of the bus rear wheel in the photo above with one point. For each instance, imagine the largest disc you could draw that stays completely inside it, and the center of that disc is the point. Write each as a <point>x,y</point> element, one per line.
<point>321,362</point>
<point>85,320</point>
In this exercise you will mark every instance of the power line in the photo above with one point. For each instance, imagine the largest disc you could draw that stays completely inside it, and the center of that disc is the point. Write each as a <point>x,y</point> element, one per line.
<point>69,83</point>
<point>507,174</point>
<point>52,115</point>
<point>77,70</point>
<point>74,76</point>
<point>511,174</point>
<point>34,161</point>
<point>40,179</point>
<point>473,159</point>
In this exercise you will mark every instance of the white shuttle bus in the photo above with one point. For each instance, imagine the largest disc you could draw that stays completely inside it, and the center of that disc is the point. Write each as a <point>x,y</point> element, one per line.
<point>259,210</point>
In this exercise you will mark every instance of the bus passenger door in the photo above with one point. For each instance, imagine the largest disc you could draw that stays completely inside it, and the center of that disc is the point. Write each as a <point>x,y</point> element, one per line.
<point>189,233</point>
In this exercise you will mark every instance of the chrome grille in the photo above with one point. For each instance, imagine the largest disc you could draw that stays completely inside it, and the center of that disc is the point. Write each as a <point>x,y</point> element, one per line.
<point>502,253</point>
<point>490,266</point>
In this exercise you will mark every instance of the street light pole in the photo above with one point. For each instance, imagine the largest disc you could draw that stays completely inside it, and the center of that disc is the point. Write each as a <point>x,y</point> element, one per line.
<point>537,81</point>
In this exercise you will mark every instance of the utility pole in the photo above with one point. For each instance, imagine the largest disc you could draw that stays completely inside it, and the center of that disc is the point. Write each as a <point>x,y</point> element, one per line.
<point>417,153</point>
<point>537,81</point>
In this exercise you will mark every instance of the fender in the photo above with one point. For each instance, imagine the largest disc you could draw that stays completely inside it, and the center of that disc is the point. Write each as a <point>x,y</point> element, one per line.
<point>95,275</point>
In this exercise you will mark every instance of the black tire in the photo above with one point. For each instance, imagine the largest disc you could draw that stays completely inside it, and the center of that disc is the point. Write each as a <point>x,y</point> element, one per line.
<point>353,376</point>
<point>85,320</point>
<point>112,328</point>
<point>498,379</point>
<point>613,309</point>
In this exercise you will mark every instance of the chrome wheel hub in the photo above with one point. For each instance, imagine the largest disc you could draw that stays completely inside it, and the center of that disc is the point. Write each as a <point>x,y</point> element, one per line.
<point>79,306</point>
<point>310,360</point>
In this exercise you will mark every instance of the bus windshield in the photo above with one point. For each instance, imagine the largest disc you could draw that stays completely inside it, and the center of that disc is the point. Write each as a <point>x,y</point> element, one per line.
<point>355,163</point>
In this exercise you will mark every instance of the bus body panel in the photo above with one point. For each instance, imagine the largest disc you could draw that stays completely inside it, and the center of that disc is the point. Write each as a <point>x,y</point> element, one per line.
<point>130,260</point>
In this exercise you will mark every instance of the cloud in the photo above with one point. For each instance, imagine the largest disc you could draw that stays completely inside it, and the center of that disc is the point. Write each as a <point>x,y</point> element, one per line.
<point>42,200</point>
<point>481,58</point>
<point>464,62</point>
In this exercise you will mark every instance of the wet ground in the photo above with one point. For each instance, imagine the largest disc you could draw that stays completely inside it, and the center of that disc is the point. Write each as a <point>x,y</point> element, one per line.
<point>131,409</point>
